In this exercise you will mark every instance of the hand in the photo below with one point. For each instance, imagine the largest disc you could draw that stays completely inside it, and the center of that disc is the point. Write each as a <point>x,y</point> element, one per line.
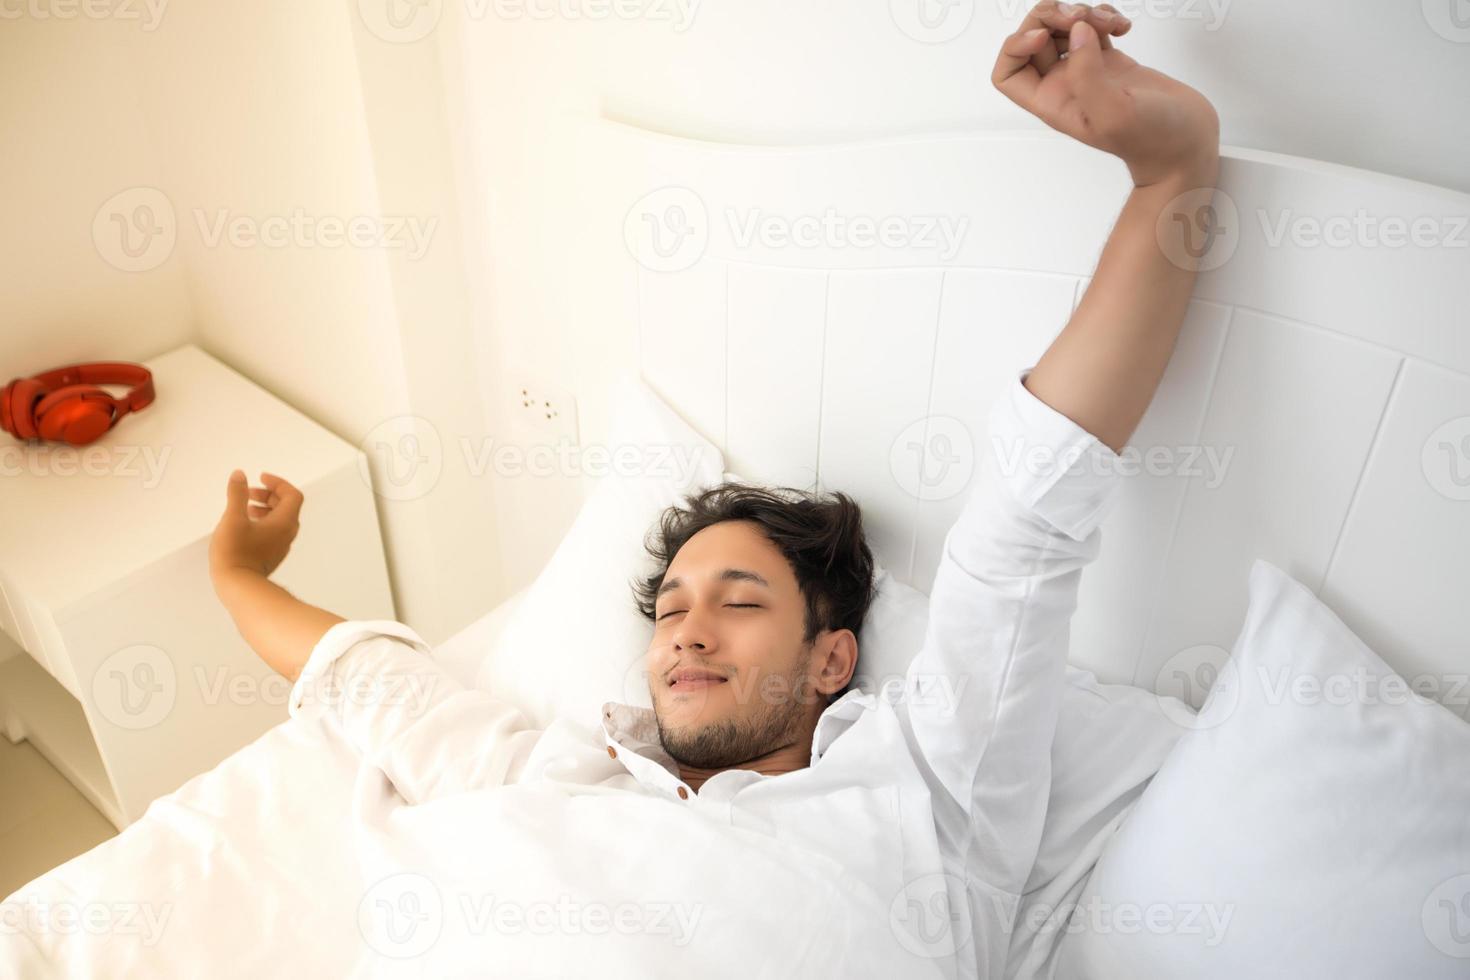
<point>1059,68</point>
<point>258,538</point>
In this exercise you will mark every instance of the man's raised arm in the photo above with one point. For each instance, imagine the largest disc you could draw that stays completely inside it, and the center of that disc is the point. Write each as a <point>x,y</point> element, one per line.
<point>982,694</point>
<point>1103,370</point>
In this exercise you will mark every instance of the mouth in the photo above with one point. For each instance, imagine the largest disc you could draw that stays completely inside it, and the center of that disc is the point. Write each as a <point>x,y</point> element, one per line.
<point>694,679</point>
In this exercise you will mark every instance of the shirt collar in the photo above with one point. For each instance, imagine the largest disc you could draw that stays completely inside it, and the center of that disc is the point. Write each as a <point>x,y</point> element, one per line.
<point>634,731</point>
<point>838,718</point>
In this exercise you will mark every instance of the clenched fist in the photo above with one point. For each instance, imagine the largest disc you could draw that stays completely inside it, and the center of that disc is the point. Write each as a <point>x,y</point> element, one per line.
<point>1061,67</point>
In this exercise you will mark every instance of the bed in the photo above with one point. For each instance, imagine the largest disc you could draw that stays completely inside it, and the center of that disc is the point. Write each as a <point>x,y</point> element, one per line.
<point>1316,414</point>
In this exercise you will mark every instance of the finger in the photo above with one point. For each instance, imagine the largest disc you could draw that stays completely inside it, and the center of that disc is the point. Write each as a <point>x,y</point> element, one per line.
<point>1104,18</point>
<point>236,494</point>
<point>1047,58</point>
<point>1044,14</point>
<point>260,494</point>
<point>1085,57</point>
<point>1106,25</point>
<point>1117,23</point>
<point>1059,17</point>
<point>257,511</point>
<point>289,508</point>
<point>279,486</point>
<point>1063,43</point>
<point>1014,74</point>
<point>1108,22</point>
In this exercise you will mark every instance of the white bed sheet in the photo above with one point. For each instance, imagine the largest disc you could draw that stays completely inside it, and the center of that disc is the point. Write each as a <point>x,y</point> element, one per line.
<point>228,870</point>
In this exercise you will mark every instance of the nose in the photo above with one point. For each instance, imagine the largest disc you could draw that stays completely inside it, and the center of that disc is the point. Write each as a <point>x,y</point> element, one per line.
<point>683,643</point>
<point>691,634</point>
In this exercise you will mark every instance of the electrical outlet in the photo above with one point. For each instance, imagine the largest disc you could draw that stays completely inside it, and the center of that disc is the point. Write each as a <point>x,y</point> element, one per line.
<point>549,413</point>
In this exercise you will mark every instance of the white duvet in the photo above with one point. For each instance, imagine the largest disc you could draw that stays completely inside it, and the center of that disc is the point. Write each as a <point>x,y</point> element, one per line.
<point>229,877</point>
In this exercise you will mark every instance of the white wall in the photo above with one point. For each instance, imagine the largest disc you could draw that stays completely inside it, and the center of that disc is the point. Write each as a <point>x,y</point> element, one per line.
<point>70,138</point>
<point>245,112</point>
<point>1363,83</point>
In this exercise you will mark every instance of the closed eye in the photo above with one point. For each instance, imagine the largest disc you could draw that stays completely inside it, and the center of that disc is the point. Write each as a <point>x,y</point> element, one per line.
<point>732,605</point>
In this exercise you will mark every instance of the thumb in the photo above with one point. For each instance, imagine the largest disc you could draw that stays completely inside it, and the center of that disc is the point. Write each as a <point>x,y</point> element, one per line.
<point>1084,52</point>
<point>237,494</point>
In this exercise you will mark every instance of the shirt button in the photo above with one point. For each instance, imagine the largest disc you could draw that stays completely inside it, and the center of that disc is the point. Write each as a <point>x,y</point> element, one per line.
<point>612,753</point>
<point>683,793</point>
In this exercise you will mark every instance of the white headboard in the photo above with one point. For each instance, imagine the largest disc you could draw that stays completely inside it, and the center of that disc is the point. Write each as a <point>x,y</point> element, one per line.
<point>1331,381</point>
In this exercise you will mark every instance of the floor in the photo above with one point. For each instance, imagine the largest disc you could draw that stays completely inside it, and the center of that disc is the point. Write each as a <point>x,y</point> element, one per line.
<point>44,821</point>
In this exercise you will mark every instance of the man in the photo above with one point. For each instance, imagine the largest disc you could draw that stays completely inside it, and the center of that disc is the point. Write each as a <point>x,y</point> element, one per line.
<point>933,808</point>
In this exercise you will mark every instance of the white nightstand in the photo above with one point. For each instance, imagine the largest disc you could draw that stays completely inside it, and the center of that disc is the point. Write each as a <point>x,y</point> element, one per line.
<point>137,679</point>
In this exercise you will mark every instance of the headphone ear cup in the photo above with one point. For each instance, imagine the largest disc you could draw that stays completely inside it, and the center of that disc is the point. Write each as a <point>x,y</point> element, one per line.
<point>75,414</point>
<point>18,410</point>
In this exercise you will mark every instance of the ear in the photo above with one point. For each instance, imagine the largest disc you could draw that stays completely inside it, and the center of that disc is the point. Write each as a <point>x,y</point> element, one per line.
<point>837,653</point>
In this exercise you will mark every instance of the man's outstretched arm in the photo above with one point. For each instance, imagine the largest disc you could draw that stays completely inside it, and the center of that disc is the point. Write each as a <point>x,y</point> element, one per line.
<point>1103,370</point>
<point>428,733</point>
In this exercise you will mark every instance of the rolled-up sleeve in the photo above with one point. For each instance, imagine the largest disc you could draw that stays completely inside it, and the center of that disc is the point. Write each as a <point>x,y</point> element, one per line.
<point>403,713</point>
<point>984,690</point>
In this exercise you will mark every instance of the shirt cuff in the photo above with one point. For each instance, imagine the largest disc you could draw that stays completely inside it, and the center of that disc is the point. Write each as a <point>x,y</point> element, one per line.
<point>312,683</point>
<point>1051,464</point>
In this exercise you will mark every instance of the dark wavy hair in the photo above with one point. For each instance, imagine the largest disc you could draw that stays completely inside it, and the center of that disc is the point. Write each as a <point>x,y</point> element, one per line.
<point>821,536</point>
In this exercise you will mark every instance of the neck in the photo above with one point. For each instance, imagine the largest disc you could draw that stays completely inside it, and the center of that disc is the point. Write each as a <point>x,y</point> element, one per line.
<point>787,758</point>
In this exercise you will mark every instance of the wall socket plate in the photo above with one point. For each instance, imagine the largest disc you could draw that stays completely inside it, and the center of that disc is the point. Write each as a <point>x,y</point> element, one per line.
<point>546,413</point>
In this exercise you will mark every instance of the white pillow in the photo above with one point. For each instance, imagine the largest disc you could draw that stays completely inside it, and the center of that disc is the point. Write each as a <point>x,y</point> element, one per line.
<point>465,653</point>
<point>1314,823</point>
<point>576,634</point>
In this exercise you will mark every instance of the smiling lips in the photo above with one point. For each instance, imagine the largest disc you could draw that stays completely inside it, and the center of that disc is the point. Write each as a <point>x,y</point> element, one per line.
<point>692,678</point>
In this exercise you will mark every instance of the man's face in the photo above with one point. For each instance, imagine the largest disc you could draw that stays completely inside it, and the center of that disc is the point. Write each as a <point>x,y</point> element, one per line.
<point>730,677</point>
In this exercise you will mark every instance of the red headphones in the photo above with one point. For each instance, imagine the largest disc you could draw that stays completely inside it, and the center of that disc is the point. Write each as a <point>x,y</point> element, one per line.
<point>65,405</point>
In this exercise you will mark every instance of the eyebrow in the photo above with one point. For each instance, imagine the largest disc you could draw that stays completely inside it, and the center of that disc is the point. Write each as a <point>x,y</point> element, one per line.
<point>728,575</point>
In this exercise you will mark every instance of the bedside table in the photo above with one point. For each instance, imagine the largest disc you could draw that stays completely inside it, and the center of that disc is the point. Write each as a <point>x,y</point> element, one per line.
<point>137,679</point>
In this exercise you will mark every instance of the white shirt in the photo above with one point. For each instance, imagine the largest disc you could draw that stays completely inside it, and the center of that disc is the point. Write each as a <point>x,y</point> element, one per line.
<point>927,800</point>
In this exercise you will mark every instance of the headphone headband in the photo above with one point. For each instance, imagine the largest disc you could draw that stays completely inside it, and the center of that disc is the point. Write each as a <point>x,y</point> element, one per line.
<point>105,373</point>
